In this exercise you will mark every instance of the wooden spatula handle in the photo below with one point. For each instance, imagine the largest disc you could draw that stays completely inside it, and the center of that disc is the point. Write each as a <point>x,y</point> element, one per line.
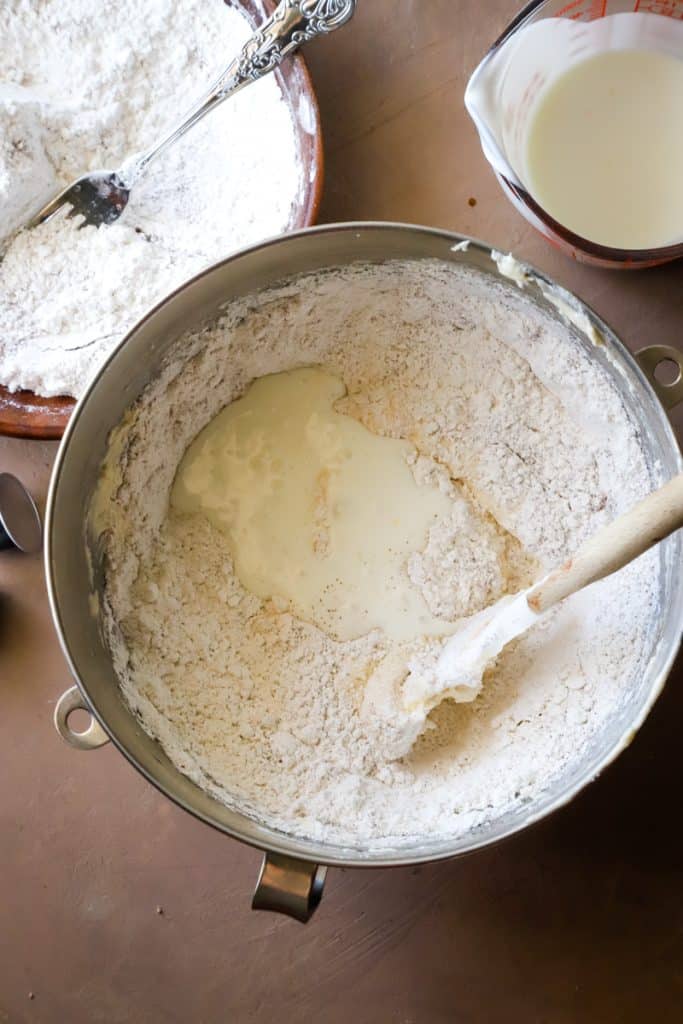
<point>652,519</point>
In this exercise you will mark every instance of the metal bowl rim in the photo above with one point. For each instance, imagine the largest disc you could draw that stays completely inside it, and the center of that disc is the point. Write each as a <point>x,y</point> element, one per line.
<point>279,842</point>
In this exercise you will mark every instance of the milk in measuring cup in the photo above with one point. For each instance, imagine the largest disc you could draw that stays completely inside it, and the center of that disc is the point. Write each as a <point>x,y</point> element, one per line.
<point>585,116</point>
<point>604,148</point>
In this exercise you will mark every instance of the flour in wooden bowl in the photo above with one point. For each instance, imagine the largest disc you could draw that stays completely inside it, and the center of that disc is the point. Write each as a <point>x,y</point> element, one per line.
<point>531,445</point>
<point>82,87</point>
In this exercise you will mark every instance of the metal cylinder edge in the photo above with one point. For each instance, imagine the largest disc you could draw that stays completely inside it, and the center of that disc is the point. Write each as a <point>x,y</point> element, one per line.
<point>93,737</point>
<point>289,886</point>
<point>20,523</point>
<point>649,359</point>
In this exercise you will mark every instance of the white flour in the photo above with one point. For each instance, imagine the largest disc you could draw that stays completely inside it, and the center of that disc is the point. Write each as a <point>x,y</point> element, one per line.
<point>89,84</point>
<point>262,709</point>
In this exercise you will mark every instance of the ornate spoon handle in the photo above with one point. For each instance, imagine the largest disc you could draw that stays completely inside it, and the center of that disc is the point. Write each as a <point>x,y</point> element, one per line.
<point>292,23</point>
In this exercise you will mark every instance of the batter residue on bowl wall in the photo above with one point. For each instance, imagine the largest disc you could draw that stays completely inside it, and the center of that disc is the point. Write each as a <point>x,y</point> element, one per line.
<point>529,449</point>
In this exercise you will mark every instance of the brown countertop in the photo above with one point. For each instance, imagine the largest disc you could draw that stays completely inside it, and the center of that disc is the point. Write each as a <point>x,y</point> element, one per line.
<point>117,907</point>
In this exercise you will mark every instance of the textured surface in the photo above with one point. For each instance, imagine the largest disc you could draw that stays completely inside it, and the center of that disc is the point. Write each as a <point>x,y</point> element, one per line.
<point>264,709</point>
<point>24,414</point>
<point>578,920</point>
<point>192,204</point>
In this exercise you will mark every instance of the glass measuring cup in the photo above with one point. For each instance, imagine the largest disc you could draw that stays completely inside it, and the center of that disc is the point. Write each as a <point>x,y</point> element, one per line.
<point>500,96</point>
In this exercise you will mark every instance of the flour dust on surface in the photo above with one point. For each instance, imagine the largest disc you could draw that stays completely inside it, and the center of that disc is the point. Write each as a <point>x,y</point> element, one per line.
<point>83,86</point>
<point>529,448</point>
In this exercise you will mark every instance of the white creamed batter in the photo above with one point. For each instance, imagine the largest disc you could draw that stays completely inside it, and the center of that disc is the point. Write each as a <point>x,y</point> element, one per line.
<point>320,513</point>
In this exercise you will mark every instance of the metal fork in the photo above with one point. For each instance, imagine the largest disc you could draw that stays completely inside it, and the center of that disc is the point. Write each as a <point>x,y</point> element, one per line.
<point>100,197</point>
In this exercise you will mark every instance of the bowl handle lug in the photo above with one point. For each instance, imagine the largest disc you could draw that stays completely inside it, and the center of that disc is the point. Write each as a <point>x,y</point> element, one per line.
<point>289,886</point>
<point>92,737</point>
<point>649,359</point>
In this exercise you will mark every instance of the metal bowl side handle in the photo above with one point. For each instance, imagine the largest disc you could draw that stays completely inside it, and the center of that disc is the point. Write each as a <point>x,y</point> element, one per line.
<point>649,359</point>
<point>93,737</point>
<point>289,886</point>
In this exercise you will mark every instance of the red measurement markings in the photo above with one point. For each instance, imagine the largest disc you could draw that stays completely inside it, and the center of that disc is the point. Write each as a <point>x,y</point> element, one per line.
<point>668,8</point>
<point>519,115</point>
<point>583,10</point>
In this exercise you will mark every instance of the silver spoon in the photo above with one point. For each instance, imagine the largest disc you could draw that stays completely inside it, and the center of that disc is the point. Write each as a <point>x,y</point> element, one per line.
<point>100,197</point>
<point>20,525</point>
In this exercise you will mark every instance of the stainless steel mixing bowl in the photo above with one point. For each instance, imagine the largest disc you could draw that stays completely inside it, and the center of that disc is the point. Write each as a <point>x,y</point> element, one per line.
<point>293,869</point>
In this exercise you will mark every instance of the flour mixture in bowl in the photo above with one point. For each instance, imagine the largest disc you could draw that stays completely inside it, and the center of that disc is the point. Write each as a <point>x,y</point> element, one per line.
<point>399,446</point>
<point>83,86</point>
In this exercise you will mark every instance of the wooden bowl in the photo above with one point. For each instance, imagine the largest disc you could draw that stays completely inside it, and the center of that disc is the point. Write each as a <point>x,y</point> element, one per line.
<point>25,414</point>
